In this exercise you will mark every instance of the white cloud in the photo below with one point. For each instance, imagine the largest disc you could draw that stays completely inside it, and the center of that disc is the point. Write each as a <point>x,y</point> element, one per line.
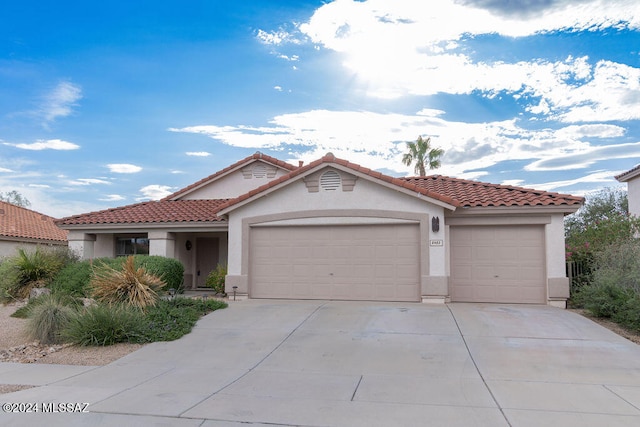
<point>39,186</point>
<point>277,37</point>
<point>2,170</point>
<point>155,192</point>
<point>605,178</point>
<point>278,88</point>
<point>60,101</point>
<point>112,198</point>
<point>50,144</point>
<point>403,48</point>
<point>123,168</point>
<point>198,153</point>
<point>89,181</point>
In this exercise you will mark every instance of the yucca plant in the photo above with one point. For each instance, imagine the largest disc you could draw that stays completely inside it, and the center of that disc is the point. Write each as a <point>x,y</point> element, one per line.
<point>130,285</point>
<point>48,319</point>
<point>28,270</point>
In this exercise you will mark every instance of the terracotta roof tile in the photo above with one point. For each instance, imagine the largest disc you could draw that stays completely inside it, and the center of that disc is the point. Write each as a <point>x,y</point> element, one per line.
<point>330,158</point>
<point>162,211</point>
<point>631,173</point>
<point>256,156</point>
<point>22,223</point>
<point>475,194</point>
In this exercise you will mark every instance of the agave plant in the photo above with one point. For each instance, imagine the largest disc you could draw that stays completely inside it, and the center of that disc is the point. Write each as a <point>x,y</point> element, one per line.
<point>130,285</point>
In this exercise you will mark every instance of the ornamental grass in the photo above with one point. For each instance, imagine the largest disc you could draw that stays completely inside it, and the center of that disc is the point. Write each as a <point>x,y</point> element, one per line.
<point>129,285</point>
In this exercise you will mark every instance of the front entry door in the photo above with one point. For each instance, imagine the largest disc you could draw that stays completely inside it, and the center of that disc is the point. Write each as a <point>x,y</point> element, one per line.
<point>207,258</point>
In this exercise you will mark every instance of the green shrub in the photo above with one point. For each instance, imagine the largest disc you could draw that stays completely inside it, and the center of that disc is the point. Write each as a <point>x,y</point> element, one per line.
<point>172,319</point>
<point>30,269</point>
<point>73,280</point>
<point>604,300</point>
<point>48,318</point>
<point>170,270</point>
<point>106,325</point>
<point>130,285</point>
<point>628,315</point>
<point>25,311</point>
<point>216,278</point>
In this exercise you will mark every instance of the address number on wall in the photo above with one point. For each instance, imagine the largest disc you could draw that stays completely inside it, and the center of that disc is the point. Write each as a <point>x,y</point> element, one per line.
<point>438,242</point>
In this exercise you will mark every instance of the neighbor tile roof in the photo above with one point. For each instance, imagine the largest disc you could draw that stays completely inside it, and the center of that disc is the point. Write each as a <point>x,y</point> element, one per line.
<point>626,176</point>
<point>256,156</point>
<point>21,223</point>
<point>481,194</point>
<point>162,211</point>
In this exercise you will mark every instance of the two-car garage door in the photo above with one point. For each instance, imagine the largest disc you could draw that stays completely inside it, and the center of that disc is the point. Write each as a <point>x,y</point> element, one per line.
<point>341,262</point>
<point>503,264</point>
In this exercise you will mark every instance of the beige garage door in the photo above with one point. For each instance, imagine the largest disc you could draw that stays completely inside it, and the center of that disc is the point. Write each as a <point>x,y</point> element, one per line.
<point>498,264</point>
<point>351,262</point>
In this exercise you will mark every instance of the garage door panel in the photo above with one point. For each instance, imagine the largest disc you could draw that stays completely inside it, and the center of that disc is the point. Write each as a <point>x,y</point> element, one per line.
<point>498,264</point>
<point>336,262</point>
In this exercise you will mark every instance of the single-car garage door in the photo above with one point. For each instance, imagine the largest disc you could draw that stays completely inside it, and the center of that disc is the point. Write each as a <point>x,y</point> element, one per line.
<point>504,264</point>
<point>337,262</point>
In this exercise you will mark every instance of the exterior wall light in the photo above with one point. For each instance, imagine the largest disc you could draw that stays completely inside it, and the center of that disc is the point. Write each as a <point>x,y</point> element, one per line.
<point>435,224</point>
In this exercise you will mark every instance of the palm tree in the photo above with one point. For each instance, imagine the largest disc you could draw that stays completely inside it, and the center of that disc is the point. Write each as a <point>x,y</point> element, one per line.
<point>423,155</point>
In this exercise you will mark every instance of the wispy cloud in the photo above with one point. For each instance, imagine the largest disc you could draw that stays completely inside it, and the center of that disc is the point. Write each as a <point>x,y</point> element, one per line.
<point>124,168</point>
<point>88,181</point>
<point>59,102</point>
<point>112,198</point>
<point>50,144</point>
<point>155,192</point>
<point>198,153</point>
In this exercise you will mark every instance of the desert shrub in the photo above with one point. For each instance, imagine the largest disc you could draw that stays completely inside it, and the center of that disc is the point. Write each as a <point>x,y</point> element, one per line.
<point>604,300</point>
<point>30,269</point>
<point>171,319</point>
<point>216,278</point>
<point>619,265</point>
<point>628,314</point>
<point>73,280</point>
<point>170,270</point>
<point>130,285</point>
<point>25,311</point>
<point>48,318</point>
<point>105,325</point>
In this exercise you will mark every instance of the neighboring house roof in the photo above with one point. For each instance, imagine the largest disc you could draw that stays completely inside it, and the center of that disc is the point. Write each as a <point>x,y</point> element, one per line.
<point>256,156</point>
<point>452,191</point>
<point>483,194</point>
<point>21,223</point>
<point>163,211</point>
<point>628,175</point>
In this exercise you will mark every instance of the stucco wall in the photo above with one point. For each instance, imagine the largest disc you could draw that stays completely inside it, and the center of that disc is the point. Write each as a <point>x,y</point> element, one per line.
<point>9,248</point>
<point>230,186</point>
<point>633,193</point>
<point>365,196</point>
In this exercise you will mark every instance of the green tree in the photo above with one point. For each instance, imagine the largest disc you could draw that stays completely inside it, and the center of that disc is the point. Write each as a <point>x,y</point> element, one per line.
<point>603,220</point>
<point>423,155</point>
<point>15,198</point>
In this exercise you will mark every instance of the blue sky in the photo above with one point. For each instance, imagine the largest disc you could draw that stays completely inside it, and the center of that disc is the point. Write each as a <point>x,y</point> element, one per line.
<point>108,104</point>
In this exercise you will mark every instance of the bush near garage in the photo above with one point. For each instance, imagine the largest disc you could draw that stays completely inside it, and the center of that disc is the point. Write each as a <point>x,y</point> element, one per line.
<point>614,291</point>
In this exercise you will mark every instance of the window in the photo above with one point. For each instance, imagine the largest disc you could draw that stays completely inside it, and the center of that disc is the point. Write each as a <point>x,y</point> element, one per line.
<point>137,245</point>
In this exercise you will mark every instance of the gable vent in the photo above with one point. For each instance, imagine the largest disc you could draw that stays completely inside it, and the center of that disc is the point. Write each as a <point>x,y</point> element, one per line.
<point>330,181</point>
<point>259,171</point>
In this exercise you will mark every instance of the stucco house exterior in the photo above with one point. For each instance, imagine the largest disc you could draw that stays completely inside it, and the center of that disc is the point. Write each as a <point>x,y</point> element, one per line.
<point>332,229</point>
<point>26,229</point>
<point>632,178</point>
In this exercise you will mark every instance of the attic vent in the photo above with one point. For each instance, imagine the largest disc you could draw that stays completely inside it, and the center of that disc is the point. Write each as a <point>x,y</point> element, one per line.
<point>259,171</point>
<point>330,181</point>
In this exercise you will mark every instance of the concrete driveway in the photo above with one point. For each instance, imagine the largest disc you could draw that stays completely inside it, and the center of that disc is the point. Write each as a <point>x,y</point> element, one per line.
<point>355,364</point>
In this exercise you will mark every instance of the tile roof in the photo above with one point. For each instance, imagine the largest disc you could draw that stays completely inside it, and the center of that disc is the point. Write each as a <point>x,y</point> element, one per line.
<point>256,156</point>
<point>21,223</point>
<point>331,159</point>
<point>162,211</point>
<point>481,194</point>
<point>626,176</point>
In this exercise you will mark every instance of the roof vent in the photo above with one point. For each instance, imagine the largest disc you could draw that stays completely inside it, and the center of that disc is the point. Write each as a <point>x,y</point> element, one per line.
<point>330,181</point>
<point>259,171</point>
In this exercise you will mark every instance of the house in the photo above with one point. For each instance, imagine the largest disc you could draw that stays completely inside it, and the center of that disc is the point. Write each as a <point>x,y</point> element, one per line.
<point>632,178</point>
<point>332,229</point>
<point>26,229</point>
